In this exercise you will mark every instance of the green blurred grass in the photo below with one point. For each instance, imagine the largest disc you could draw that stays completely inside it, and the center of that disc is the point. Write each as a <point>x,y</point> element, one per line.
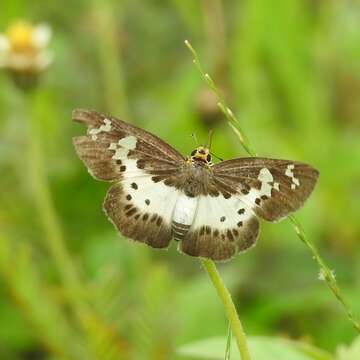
<point>290,70</point>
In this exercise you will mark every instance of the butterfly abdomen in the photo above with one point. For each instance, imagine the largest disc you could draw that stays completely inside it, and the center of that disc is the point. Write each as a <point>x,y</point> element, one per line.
<point>179,230</point>
<point>183,215</point>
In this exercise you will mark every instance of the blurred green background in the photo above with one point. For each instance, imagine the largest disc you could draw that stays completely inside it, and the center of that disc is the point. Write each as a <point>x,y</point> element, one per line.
<point>71,288</point>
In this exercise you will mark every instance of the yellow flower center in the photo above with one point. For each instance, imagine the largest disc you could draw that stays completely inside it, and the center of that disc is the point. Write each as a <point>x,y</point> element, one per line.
<point>20,36</point>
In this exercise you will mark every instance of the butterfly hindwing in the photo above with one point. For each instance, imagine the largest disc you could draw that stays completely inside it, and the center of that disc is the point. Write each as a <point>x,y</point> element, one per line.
<point>272,188</point>
<point>221,228</point>
<point>142,211</point>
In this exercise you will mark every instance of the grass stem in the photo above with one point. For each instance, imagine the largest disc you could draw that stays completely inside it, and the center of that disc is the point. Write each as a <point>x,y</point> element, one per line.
<point>230,309</point>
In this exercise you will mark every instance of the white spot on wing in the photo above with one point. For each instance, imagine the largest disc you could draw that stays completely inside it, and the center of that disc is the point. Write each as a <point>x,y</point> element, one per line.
<point>120,153</point>
<point>266,178</point>
<point>265,175</point>
<point>267,184</point>
<point>128,142</point>
<point>106,127</point>
<point>122,147</point>
<point>289,172</point>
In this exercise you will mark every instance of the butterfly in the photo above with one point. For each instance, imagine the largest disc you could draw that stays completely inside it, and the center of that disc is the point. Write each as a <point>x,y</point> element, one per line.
<point>157,195</point>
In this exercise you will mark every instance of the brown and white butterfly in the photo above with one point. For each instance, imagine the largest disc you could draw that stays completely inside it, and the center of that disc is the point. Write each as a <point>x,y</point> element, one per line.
<point>159,195</point>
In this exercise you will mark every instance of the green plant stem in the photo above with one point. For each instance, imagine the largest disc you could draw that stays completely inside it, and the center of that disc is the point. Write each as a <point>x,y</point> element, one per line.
<point>325,273</point>
<point>230,309</point>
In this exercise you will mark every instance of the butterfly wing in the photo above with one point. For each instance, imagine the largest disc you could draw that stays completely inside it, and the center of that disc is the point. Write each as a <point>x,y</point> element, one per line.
<point>144,167</point>
<point>222,227</point>
<point>227,224</point>
<point>111,144</point>
<point>271,188</point>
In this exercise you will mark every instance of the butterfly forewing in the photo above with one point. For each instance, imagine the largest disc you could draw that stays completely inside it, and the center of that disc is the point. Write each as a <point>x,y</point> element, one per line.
<point>272,188</point>
<point>111,144</point>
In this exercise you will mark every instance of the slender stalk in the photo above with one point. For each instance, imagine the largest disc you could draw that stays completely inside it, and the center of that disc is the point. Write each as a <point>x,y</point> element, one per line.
<point>325,273</point>
<point>230,309</point>
<point>228,343</point>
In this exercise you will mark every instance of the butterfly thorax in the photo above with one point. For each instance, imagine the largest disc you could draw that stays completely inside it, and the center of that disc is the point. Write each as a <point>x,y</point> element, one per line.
<point>196,178</point>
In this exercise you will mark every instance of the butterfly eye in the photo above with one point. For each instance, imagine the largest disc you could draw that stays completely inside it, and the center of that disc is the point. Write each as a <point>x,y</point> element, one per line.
<point>193,153</point>
<point>208,158</point>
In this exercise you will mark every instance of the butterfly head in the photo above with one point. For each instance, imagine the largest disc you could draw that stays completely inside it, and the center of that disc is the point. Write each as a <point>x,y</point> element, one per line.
<point>201,155</point>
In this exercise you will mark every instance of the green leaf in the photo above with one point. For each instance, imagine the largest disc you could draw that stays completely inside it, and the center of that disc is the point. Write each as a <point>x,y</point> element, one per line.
<point>261,348</point>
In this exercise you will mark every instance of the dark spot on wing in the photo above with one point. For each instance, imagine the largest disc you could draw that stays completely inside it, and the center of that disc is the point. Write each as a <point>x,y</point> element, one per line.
<point>230,235</point>
<point>128,197</point>
<point>131,212</point>
<point>147,202</point>
<point>122,168</point>
<point>214,192</point>
<point>223,218</point>
<point>156,179</point>
<point>134,186</point>
<point>140,164</point>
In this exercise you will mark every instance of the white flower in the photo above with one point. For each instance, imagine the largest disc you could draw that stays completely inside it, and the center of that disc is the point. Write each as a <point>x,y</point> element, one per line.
<point>23,48</point>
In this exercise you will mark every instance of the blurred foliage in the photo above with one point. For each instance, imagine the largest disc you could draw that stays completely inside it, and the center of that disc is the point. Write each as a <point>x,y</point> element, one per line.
<point>71,288</point>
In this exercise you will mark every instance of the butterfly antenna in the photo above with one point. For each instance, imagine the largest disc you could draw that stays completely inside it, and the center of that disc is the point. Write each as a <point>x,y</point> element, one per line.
<point>208,146</point>
<point>193,135</point>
